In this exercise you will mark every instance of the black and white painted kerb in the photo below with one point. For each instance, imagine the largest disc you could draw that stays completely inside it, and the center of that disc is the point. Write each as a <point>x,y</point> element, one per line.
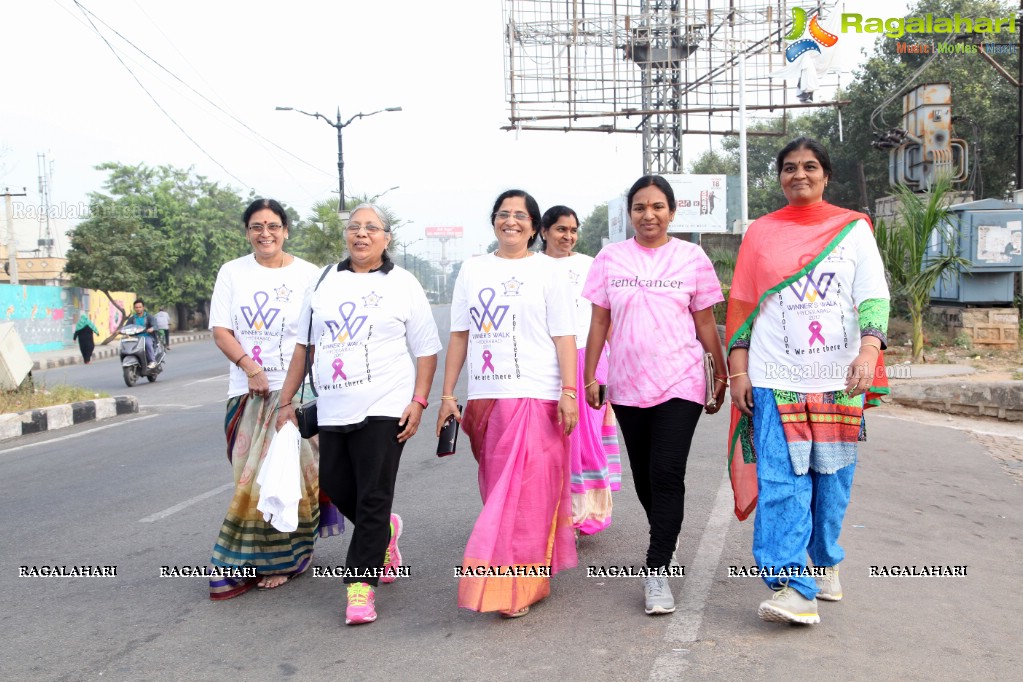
<point>62,416</point>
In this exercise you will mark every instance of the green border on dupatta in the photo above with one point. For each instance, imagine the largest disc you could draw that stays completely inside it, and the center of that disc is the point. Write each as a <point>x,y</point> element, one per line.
<point>748,324</point>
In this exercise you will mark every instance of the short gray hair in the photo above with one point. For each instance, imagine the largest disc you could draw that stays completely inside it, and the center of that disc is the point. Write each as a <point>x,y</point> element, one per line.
<point>384,220</point>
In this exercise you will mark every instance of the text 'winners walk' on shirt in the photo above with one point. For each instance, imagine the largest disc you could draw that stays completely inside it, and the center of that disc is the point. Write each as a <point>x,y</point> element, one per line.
<point>511,309</point>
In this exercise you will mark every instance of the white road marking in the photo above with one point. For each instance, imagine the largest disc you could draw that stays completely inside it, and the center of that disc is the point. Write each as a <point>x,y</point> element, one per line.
<point>219,377</point>
<point>179,405</point>
<point>187,503</point>
<point>685,622</point>
<point>76,435</point>
<point>970,429</point>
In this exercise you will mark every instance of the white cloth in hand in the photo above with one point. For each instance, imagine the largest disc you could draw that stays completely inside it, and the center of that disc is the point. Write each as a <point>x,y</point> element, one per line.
<point>280,487</point>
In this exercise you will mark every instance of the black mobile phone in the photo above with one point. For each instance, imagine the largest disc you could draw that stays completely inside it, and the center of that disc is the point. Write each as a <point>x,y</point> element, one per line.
<point>601,394</point>
<point>448,437</point>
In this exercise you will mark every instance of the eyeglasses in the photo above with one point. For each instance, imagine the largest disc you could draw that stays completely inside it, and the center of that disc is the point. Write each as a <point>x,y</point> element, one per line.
<point>518,215</point>
<point>354,228</point>
<point>272,228</point>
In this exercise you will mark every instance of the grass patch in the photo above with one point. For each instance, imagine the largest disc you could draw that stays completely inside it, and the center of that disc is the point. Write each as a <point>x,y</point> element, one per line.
<point>29,396</point>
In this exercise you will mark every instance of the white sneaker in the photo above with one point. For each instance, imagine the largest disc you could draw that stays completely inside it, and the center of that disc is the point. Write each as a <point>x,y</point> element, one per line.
<point>788,606</point>
<point>658,595</point>
<point>829,589</point>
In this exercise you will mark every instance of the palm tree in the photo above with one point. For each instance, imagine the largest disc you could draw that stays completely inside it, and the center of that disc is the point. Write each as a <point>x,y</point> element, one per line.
<point>912,271</point>
<point>320,239</point>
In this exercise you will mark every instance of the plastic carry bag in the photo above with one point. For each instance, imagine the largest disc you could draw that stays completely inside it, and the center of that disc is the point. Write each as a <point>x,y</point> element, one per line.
<point>280,484</point>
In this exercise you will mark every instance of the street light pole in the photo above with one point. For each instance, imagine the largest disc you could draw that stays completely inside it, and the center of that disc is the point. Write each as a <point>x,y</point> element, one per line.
<point>339,126</point>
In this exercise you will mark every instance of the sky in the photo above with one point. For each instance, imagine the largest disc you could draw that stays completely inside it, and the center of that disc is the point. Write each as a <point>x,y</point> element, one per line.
<point>65,94</point>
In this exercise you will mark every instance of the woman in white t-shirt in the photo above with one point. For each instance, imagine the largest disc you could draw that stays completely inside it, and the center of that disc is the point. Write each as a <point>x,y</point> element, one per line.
<point>596,467</point>
<point>365,315</point>
<point>512,322</point>
<point>807,320</point>
<point>254,317</point>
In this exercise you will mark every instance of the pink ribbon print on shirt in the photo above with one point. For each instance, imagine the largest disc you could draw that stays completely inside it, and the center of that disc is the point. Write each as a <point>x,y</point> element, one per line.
<point>338,364</point>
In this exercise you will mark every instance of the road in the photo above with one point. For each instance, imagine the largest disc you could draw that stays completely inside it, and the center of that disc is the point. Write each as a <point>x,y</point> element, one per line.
<point>150,490</point>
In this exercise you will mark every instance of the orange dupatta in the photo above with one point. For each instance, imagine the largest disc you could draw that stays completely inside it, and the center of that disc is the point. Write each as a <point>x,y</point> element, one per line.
<point>777,250</point>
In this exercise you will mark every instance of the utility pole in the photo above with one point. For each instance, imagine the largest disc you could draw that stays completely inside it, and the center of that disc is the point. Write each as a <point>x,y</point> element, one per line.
<point>12,243</point>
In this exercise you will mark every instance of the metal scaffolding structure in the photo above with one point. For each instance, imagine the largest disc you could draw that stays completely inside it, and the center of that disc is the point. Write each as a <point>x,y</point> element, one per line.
<point>659,68</point>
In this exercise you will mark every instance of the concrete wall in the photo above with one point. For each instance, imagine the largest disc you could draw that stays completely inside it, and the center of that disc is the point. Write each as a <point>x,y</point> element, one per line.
<point>45,316</point>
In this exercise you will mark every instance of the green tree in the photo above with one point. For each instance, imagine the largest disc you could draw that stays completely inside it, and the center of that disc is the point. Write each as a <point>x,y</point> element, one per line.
<point>320,239</point>
<point>593,230</point>
<point>199,221</point>
<point>115,251</point>
<point>903,245</point>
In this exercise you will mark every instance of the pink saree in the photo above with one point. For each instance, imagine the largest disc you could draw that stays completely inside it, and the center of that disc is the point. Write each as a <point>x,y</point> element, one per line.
<point>525,526</point>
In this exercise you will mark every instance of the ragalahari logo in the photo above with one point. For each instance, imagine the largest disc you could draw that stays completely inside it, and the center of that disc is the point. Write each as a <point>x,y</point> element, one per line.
<point>809,54</point>
<point>819,37</point>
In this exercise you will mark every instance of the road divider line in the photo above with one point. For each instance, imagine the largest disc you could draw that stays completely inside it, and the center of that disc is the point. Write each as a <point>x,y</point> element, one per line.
<point>187,503</point>
<point>76,435</point>
<point>219,377</point>
<point>684,627</point>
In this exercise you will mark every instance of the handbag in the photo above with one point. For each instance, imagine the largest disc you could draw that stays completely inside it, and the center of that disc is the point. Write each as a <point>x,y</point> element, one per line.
<point>710,400</point>
<point>308,426</point>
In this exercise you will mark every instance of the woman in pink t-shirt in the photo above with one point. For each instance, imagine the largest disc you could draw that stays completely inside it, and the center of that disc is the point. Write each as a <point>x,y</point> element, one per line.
<point>655,293</point>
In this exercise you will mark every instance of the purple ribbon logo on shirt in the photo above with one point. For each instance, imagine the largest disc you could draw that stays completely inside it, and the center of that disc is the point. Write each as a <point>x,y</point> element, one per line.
<point>815,332</point>
<point>338,373</point>
<point>262,317</point>
<point>256,350</point>
<point>349,326</point>
<point>487,364</point>
<point>487,319</point>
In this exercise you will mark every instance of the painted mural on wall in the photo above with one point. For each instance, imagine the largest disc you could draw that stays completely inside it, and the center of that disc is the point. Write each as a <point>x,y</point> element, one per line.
<point>45,316</point>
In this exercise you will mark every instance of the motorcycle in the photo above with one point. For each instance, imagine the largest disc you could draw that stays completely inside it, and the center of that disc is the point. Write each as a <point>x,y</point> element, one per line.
<point>133,355</point>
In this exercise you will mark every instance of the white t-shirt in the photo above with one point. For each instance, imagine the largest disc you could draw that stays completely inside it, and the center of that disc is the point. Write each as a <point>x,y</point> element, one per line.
<point>574,269</point>
<point>361,324</point>
<point>261,306</point>
<point>806,334</point>
<point>512,308</point>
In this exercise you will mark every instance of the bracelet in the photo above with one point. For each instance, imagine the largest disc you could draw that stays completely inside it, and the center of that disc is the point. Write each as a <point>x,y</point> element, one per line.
<point>740,374</point>
<point>569,388</point>
<point>240,358</point>
<point>259,368</point>
<point>421,400</point>
<point>449,397</point>
<point>721,380</point>
<point>570,394</point>
<point>590,384</point>
<point>285,404</point>
<point>870,345</point>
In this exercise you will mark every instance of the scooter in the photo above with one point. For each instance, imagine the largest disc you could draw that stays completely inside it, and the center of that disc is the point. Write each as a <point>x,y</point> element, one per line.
<point>133,355</point>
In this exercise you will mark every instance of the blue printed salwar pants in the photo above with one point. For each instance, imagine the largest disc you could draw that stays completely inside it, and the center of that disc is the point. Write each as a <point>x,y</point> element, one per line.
<point>796,515</point>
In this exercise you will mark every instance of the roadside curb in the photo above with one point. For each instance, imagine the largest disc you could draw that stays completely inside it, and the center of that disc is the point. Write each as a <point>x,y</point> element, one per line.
<point>24,423</point>
<point>1002,399</point>
<point>102,352</point>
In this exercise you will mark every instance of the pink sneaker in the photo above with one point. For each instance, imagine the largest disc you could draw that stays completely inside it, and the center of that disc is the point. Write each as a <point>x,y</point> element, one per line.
<point>361,604</point>
<point>392,557</point>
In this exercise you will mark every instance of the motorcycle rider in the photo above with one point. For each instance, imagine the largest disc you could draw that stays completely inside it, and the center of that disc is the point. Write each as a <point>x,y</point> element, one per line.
<point>148,322</point>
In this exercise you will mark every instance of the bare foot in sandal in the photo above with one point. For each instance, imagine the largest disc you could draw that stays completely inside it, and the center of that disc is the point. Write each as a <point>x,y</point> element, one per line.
<point>269,582</point>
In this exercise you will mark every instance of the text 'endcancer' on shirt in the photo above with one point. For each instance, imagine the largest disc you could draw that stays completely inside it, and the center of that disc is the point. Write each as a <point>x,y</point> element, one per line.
<point>652,295</point>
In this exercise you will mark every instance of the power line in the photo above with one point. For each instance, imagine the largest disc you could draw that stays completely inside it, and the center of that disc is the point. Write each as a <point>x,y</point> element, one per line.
<point>87,14</point>
<point>202,96</point>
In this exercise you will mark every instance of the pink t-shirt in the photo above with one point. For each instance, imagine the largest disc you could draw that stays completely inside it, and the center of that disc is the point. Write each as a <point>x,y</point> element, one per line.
<point>652,294</point>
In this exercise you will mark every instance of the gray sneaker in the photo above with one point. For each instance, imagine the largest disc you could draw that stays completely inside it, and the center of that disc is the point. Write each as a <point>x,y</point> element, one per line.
<point>788,606</point>
<point>658,595</point>
<point>829,589</point>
